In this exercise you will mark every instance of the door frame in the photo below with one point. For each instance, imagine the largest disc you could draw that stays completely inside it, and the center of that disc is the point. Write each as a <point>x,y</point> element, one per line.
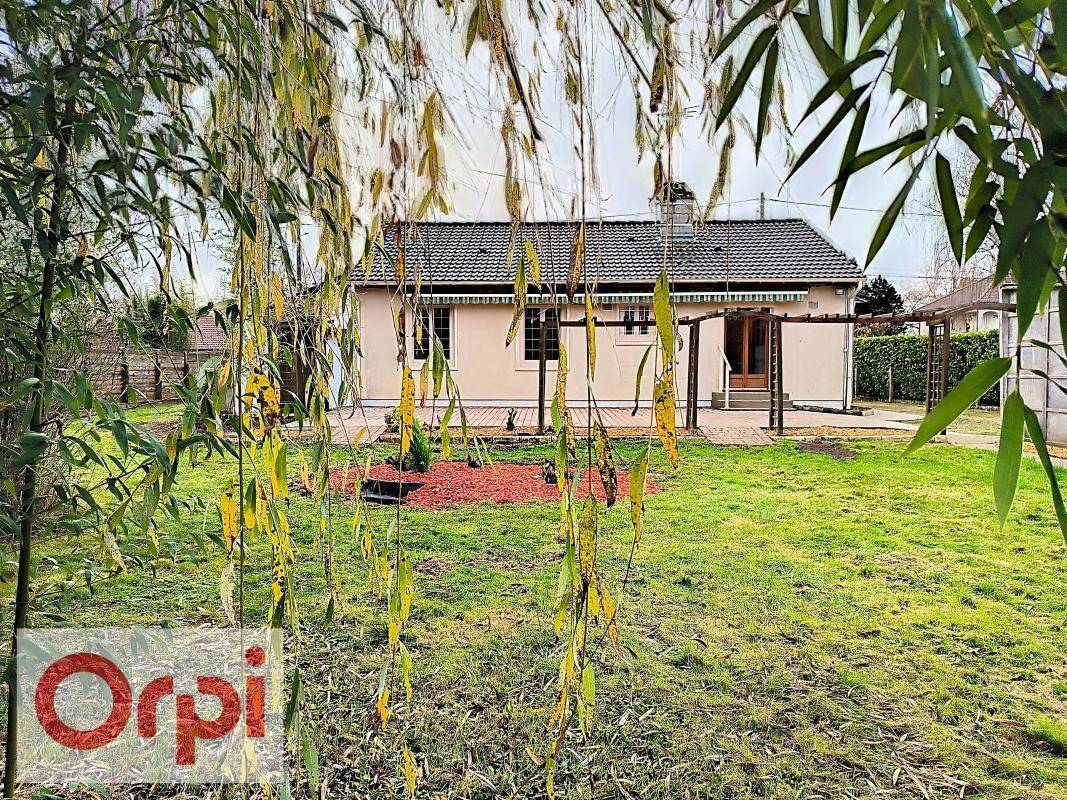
<point>743,379</point>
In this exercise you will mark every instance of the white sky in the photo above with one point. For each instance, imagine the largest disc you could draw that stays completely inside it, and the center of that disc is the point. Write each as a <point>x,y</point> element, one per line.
<point>474,160</point>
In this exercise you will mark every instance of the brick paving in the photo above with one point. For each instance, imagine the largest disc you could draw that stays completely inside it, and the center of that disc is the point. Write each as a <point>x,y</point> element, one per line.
<point>723,427</point>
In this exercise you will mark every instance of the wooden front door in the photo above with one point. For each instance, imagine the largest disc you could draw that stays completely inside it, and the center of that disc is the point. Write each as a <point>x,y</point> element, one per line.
<point>747,351</point>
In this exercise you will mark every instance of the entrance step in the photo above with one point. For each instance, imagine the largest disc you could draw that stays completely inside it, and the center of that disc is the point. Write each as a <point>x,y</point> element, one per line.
<point>747,399</point>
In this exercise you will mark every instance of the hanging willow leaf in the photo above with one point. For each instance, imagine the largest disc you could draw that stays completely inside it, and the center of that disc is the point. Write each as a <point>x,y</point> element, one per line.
<point>520,304</point>
<point>640,377</point>
<point>604,462</point>
<point>590,336</point>
<point>228,512</point>
<point>560,399</point>
<point>533,261</point>
<point>407,409</point>
<point>438,366</point>
<point>661,306</point>
<point>577,261</point>
<point>665,410</point>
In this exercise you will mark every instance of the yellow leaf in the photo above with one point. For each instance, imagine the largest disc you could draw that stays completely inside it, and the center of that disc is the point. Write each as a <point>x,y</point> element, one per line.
<point>279,298</point>
<point>382,707</point>
<point>590,335</point>
<point>661,301</point>
<point>277,584</point>
<point>407,409</point>
<point>533,261</point>
<point>410,773</point>
<point>228,512</point>
<point>561,378</point>
<point>665,413</point>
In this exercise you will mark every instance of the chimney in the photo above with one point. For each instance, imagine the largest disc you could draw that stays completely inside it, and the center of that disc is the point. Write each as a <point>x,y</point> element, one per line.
<point>677,210</point>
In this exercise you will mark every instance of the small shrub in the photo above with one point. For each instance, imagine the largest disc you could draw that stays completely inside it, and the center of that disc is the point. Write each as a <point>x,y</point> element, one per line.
<point>419,454</point>
<point>392,420</point>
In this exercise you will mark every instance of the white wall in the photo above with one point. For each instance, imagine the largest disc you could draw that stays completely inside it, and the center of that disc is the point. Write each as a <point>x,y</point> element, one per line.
<point>816,366</point>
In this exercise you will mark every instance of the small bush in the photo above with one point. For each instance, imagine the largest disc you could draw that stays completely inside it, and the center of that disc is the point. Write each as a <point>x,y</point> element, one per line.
<point>419,454</point>
<point>392,420</point>
<point>906,354</point>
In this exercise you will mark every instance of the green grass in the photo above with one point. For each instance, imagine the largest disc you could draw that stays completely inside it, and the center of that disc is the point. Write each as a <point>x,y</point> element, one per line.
<point>981,421</point>
<point>795,626</point>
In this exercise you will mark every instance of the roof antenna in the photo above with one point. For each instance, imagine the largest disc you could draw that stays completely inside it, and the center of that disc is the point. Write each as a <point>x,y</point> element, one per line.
<point>762,206</point>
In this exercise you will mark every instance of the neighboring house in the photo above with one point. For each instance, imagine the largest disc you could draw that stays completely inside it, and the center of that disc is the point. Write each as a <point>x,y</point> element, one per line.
<point>967,319</point>
<point>781,266</point>
<point>1041,394</point>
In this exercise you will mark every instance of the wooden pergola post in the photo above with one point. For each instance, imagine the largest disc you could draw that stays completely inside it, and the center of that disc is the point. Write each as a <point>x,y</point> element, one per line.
<point>542,370</point>
<point>780,389</point>
<point>930,334</point>
<point>692,384</point>
<point>946,347</point>
<point>772,373</point>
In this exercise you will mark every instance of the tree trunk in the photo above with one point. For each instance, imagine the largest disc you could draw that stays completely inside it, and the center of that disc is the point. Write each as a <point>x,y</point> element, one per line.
<point>28,495</point>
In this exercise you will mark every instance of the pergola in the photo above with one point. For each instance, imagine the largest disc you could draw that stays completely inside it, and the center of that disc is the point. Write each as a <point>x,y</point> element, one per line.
<point>937,357</point>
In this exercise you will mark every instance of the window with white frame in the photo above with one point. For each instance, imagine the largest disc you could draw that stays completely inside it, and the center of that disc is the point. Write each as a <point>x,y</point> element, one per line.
<point>422,346</point>
<point>636,320</point>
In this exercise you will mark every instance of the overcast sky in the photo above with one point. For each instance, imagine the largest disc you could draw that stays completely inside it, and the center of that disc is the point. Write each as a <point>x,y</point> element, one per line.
<point>475,163</point>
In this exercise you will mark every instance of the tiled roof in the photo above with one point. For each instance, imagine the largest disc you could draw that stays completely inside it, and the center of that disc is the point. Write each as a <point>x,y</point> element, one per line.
<point>208,336</point>
<point>779,250</point>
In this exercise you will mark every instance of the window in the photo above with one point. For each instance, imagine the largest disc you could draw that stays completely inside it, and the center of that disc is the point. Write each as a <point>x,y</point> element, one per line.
<point>442,329</point>
<point>532,335</point>
<point>635,320</point>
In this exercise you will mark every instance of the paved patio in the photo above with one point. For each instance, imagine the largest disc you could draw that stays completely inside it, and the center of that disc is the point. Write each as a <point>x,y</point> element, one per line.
<point>724,427</point>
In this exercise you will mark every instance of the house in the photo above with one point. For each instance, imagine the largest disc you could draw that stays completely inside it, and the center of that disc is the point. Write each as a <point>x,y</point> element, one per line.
<point>466,283</point>
<point>967,318</point>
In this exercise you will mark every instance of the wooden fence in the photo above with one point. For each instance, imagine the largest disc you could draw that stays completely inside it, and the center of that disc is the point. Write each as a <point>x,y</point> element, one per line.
<point>143,376</point>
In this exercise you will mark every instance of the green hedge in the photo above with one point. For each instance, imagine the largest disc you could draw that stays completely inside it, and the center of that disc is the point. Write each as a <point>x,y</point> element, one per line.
<point>907,355</point>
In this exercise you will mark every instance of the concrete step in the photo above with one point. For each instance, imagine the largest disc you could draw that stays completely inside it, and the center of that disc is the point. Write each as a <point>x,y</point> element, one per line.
<point>747,399</point>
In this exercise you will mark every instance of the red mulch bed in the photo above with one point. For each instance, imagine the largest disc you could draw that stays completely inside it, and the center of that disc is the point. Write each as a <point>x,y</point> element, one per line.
<point>454,483</point>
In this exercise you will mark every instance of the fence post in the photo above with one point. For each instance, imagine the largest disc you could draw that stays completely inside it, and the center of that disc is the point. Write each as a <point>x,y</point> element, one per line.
<point>692,381</point>
<point>780,392</point>
<point>157,379</point>
<point>124,379</point>
<point>890,383</point>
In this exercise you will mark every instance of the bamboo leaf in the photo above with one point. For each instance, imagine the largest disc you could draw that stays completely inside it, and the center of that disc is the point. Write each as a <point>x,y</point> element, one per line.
<point>1009,455</point>
<point>739,27</point>
<point>836,80</point>
<point>770,68</point>
<point>950,207</point>
<point>733,94</point>
<point>847,104</point>
<point>974,384</point>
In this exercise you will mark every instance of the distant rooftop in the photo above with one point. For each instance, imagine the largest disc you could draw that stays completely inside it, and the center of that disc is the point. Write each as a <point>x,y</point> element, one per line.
<point>774,250</point>
<point>980,290</point>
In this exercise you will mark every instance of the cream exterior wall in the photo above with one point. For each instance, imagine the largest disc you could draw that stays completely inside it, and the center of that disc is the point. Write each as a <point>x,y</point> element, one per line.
<point>816,368</point>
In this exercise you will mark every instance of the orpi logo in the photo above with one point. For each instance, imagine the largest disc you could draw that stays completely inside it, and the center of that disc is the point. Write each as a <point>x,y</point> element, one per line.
<point>138,705</point>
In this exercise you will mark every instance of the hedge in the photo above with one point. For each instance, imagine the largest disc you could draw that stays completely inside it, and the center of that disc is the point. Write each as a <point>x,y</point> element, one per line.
<point>907,355</point>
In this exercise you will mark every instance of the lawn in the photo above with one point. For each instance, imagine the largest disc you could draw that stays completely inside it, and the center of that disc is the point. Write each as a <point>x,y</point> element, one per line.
<point>978,420</point>
<point>797,626</point>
